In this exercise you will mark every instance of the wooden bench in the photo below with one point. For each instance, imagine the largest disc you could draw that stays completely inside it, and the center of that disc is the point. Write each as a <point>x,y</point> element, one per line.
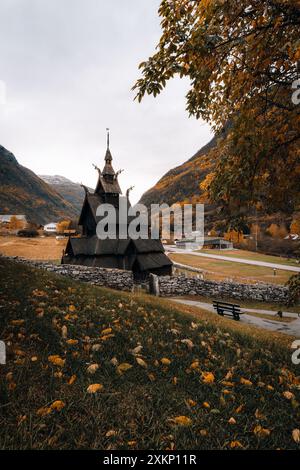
<point>225,308</point>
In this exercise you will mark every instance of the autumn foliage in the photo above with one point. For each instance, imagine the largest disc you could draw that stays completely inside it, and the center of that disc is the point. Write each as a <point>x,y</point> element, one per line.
<point>241,59</point>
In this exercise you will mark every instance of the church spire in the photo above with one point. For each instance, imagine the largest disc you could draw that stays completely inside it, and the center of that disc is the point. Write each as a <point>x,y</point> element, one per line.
<point>108,156</point>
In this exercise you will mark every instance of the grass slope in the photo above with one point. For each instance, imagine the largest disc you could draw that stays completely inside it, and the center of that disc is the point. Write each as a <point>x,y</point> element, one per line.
<point>200,383</point>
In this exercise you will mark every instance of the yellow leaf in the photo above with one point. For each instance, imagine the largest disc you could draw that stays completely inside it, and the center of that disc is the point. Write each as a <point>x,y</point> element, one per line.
<point>141,362</point>
<point>92,368</point>
<point>43,411</point>
<point>288,395</point>
<point>57,405</point>
<point>194,365</point>
<point>72,380</point>
<point>191,402</point>
<point>208,377</point>
<point>261,432</point>
<point>123,367</point>
<point>56,360</point>
<point>94,388</point>
<point>107,331</point>
<point>246,382</point>
<point>232,421</point>
<point>72,341</point>
<point>296,435</point>
<point>182,421</point>
<point>235,444</point>
<point>165,361</point>
<point>206,404</point>
<point>17,322</point>
<point>72,308</point>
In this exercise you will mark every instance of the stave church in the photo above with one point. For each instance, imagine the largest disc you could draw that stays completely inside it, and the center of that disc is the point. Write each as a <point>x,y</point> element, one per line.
<point>142,256</point>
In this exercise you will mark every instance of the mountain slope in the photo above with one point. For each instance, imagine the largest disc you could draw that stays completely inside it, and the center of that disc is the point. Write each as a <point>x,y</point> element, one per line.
<point>182,182</point>
<point>23,192</point>
<point>70,191</point>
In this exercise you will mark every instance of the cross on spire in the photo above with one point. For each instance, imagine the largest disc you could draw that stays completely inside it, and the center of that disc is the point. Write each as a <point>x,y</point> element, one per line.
<point>107,130</point>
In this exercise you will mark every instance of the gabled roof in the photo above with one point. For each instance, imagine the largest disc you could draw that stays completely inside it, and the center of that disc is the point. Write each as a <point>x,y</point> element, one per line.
<point>92,246</point>
<point>104,185</point>
<point>153,261</point>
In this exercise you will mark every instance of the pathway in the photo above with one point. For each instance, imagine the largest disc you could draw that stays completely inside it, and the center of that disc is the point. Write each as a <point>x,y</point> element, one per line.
<point>236,260</point>
<point>290,328</point>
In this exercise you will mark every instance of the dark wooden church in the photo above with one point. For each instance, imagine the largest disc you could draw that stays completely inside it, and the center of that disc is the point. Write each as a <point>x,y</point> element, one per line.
<point>141,256</point>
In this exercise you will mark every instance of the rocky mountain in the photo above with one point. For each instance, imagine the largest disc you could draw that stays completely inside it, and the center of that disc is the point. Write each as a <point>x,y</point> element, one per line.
<point>23,192</point>
<point>71,192</point>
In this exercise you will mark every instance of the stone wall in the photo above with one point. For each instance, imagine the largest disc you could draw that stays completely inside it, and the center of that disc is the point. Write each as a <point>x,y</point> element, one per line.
<point>183,286</point>
<point>113,278</point>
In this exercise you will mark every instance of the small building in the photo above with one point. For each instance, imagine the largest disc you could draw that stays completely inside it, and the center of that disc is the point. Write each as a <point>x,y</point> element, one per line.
<point>140,256</point>
<point>6,219</point>
<point>50,228</point>
<point>208,242</point>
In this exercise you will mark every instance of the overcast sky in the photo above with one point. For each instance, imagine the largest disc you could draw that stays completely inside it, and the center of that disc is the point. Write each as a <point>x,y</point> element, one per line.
<point>68,67</point>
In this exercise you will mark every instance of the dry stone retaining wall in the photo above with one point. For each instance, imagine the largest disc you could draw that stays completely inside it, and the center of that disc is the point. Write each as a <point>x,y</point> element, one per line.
<point>182,286</point>
<point>113,278</point>
<point>167,286</point>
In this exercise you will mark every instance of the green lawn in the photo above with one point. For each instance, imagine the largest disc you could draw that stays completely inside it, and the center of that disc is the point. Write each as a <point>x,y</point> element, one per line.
<point>164,377</point>
<point>215,269</point>
<point>253,256</point>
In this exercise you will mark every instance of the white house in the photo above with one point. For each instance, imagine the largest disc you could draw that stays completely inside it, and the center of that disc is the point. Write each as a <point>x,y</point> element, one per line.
<point>50,228</point>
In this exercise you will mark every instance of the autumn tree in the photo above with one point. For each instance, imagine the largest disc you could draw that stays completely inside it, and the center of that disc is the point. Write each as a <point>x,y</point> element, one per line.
<point>15,223</point>
<point>295,226</point>
<point>63,225</point>
<point>241,59</point>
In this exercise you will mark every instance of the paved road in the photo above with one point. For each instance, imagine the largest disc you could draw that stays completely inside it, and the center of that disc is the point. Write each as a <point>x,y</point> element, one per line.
<point>290,328</point>
<point>237,260</point>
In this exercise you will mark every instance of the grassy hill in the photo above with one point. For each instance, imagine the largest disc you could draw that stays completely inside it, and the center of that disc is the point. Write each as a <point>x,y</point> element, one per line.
<point>23,192</point>
<point>91,368</point>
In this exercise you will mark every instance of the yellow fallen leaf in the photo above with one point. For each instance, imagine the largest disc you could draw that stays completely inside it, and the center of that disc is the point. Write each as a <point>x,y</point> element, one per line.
<point>123,367</point>
<point>107,331</point>
<point>235,444</point>
<point>261,432</point>
<point>17,322</point>
<point>208,377</point>
<point>296,435</point>
<point>288,395</point>
<point>92,368</point>
<point>72,308</point>
<point>56,360</point>
<point>57,405</point>
<point>232,421</point>
<point>94,388</point>
<point>72,341</point>
<point>44,411</point>
<point>141,362</point>
<point>111,433</point>
<point>165,361</point>
<point>206,404</point>
<point>191,402</point>
<point>194,365</point>
<point>72,379</point>
<point>246,382</point>
<point>182,421</point>
<point>34,359</point>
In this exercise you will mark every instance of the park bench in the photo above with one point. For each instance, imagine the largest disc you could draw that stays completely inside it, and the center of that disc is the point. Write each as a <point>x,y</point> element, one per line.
<point>225,308</point>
